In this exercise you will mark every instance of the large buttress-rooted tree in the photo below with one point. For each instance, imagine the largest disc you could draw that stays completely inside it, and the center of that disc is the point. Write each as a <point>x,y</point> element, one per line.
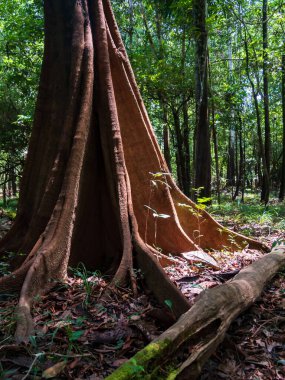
<point>87,179</point>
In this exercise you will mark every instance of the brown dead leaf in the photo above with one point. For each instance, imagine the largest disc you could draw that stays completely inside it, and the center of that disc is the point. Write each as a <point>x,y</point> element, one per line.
<point>75,363</point>
<point>119,362</point>
<point>282,304</point>
<point>53,371</point>
<point>135,318</point>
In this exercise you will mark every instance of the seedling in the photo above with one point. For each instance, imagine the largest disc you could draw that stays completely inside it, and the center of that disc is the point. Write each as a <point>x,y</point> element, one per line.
<point>156,216</point>
<point>88,284</point>
<point>156,179</point>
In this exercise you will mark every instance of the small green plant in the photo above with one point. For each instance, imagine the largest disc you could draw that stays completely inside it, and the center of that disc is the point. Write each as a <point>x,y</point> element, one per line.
<point>197,212</point>
<point>7,374</point>
<point>4,268</point>
<point>10,208</point>
<point>156,179</point>
<point>120,343</point>
<point>72,335</point>
<point>33,341</point>
<point>156,216</point>
<point>88,283</point>
<point>168,303</point>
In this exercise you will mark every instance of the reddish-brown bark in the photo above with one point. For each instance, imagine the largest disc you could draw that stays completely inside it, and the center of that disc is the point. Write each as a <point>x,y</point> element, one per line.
<point>88,176</point>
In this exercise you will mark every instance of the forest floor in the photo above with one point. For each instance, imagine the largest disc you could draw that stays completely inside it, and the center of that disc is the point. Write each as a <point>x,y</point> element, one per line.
<point>77,336</point>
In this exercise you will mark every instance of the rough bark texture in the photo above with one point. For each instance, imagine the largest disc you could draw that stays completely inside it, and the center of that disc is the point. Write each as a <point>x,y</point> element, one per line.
<point>255,88</point>
<point>202,130</point>
<point>282,184</point>
<point>87,177</point>
<point>201,329</point>
<point>267,132</point>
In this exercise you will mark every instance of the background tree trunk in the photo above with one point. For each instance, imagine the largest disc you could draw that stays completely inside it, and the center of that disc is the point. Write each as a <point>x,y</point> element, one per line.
<point>282,185</point>
<point>267,133</point>
<point>202,133</point>
<point>265,174</point>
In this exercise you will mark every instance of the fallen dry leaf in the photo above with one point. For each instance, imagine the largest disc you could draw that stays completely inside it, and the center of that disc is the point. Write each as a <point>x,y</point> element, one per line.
<point>200,256</point>
<point>53,371</point>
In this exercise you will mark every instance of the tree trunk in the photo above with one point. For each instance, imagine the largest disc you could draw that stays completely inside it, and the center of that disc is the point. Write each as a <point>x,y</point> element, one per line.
<point>231,167</point>
<point>4,191</point>
<point>267,134</point>
<point>282,185</point>
<point>202,131</point>
<point>13,181</point>
<point>181,351</point>
<point>180,166</point>
<point>186,148</point>
<point>186,131</point>
<point>215,136</point>
<point>131,25</point>
<point>88,176</point>
<point>265,174</point>
<point>240,177</point>
<point>166,138</point>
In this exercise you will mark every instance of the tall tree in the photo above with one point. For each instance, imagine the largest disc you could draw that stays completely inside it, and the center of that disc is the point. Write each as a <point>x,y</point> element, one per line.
<point>267,134</point>
<point>231,169</point>
<point>202,130</point>
<point>282,185</point>
<point>87,178</point>
<point>255,90</point>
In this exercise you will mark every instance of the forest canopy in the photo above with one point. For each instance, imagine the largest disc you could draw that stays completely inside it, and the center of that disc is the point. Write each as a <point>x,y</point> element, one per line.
<point>160,39</point>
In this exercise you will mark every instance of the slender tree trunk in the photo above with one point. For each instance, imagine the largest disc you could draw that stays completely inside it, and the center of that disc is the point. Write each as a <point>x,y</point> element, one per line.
<point>186,129</point>
<point>166,138</point>
<point>215,136</point>
<point>14,182</point>
<point>131,24</point>
<point>240,179</point>
<point>231,167</point>
<point>244,170</point>
<point>282,185</point>
<point>265,173</point>
<point>186,147</point>
<point>180,151</point>
<point>4,191</point>
<point>202,130</point>
<point>267,135</point>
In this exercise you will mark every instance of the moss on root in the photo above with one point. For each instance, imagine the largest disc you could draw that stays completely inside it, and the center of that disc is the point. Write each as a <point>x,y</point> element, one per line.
<point>138,366</point>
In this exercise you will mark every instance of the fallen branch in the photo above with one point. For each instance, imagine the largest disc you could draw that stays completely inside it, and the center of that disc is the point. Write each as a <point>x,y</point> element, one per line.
<point>181,351</point>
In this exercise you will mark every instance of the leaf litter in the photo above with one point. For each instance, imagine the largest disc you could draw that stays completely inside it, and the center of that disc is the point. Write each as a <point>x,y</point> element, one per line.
<point>79,336</point>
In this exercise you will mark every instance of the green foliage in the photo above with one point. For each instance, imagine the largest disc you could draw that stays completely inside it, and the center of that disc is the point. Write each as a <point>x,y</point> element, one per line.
<point>21,49</point>
<point>159,38</point>
<point>251,213</point>
<point>88,281</point>
<point>168,303</point>
<point>10,209</point>
<point>153,32</point>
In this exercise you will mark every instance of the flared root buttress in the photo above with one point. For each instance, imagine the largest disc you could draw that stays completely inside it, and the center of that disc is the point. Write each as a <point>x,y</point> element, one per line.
<point>95,182</point>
